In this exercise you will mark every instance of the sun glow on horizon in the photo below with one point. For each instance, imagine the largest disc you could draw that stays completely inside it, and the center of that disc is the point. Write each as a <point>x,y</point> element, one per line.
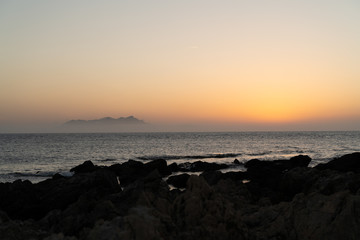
<point>223,62</point>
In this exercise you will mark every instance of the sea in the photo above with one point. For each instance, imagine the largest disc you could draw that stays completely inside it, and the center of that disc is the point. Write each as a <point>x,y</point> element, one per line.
<point>36,157</point>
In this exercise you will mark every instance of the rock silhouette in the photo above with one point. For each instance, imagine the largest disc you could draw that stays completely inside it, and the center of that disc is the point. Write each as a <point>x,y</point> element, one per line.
<point>272,200</point>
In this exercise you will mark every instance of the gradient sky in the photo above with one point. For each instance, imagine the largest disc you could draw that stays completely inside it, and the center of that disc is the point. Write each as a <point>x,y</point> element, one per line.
<point>258,65</point>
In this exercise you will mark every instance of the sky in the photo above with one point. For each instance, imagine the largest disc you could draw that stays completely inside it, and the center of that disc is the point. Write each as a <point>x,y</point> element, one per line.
<point>237,65</point>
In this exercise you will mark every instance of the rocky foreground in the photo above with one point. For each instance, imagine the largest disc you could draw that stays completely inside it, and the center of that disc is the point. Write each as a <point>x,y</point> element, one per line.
<point>282,199</point>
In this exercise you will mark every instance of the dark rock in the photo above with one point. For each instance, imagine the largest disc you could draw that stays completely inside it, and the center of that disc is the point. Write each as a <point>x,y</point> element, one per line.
<point>129,171</point>
<point>202,213</point>
<point>255,163</point>
<point>84,213</point>
<point>57,176</point>
<point>346,163</point>
<point>313,216</point>
<point>174,167</point>
<point>132,164</point>
<point>17,198</point>
<point>14,230</point>
<point>279,165</point>
<point>200,166</point>
<point>212,177</point>
<point>178,181</point>
<point>235,191</point>
<point>266,173</point>
<point>327,181</point>
<point>270,172</point>
<point>148,189</point>
<point>324,181</point>
<point>235,176</point>
<point>4,217</point>
<point>85,167</point>
<point>266,178</point>
<point>184,167</point>
<point>153,178</point>
<point>160,165</point>
<point>297,180</point>
<point>116,168</point>
<point>132,171</point>
<point>299,161</point>
<point>23,200</point>
<point>237,162</point>
<point>283,200</point>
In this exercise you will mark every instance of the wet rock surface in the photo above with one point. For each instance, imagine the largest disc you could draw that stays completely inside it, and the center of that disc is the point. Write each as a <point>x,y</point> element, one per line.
<point>282,199</point>
<point>178,181</point>
<point>346,163</point>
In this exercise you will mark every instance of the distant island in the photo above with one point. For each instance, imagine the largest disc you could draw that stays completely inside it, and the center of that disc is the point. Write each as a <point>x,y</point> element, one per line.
<point>104,124</point>
<point>106,120</point>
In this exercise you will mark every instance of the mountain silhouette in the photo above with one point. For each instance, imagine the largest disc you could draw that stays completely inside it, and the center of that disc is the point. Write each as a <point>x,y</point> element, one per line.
<point>106,124</point>
<point>105,121</point>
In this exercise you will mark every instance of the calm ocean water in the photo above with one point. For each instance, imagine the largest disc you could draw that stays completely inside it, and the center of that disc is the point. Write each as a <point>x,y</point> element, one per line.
<point>38,156</point>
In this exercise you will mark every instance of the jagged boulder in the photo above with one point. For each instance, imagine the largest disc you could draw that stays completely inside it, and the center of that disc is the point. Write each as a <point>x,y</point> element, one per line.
<point>269,173</point>
<point>85,167</point>
<point>346,163</point>
<point>314,216</point>
<point>213,177</point>
<point>178,181</point>
<point>23,200</point>
<point>132,170</point>
<point>174,167</point>
<point>200,166</point>
<point>278,165</point>
<point>201,213</point>
<point>159,165</point>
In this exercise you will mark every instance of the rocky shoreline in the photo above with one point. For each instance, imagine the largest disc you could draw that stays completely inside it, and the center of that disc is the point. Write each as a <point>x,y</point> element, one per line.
<point>283,199</point>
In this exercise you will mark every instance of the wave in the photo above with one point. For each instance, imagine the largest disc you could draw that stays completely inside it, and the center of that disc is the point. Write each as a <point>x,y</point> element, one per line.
<point>107,160</point>
<point>218,155</point>
<point>285,152</point>
<point>259,154</point>
<point>40,174</point>
<point>290,151</point>
<point>177,157</point>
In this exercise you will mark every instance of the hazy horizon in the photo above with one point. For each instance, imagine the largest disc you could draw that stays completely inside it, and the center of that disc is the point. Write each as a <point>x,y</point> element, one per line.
<point>59,127</point>
<point>181,65</point>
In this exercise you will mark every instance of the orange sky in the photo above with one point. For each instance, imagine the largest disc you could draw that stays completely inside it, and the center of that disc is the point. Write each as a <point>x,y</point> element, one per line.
<point>226,62</point>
